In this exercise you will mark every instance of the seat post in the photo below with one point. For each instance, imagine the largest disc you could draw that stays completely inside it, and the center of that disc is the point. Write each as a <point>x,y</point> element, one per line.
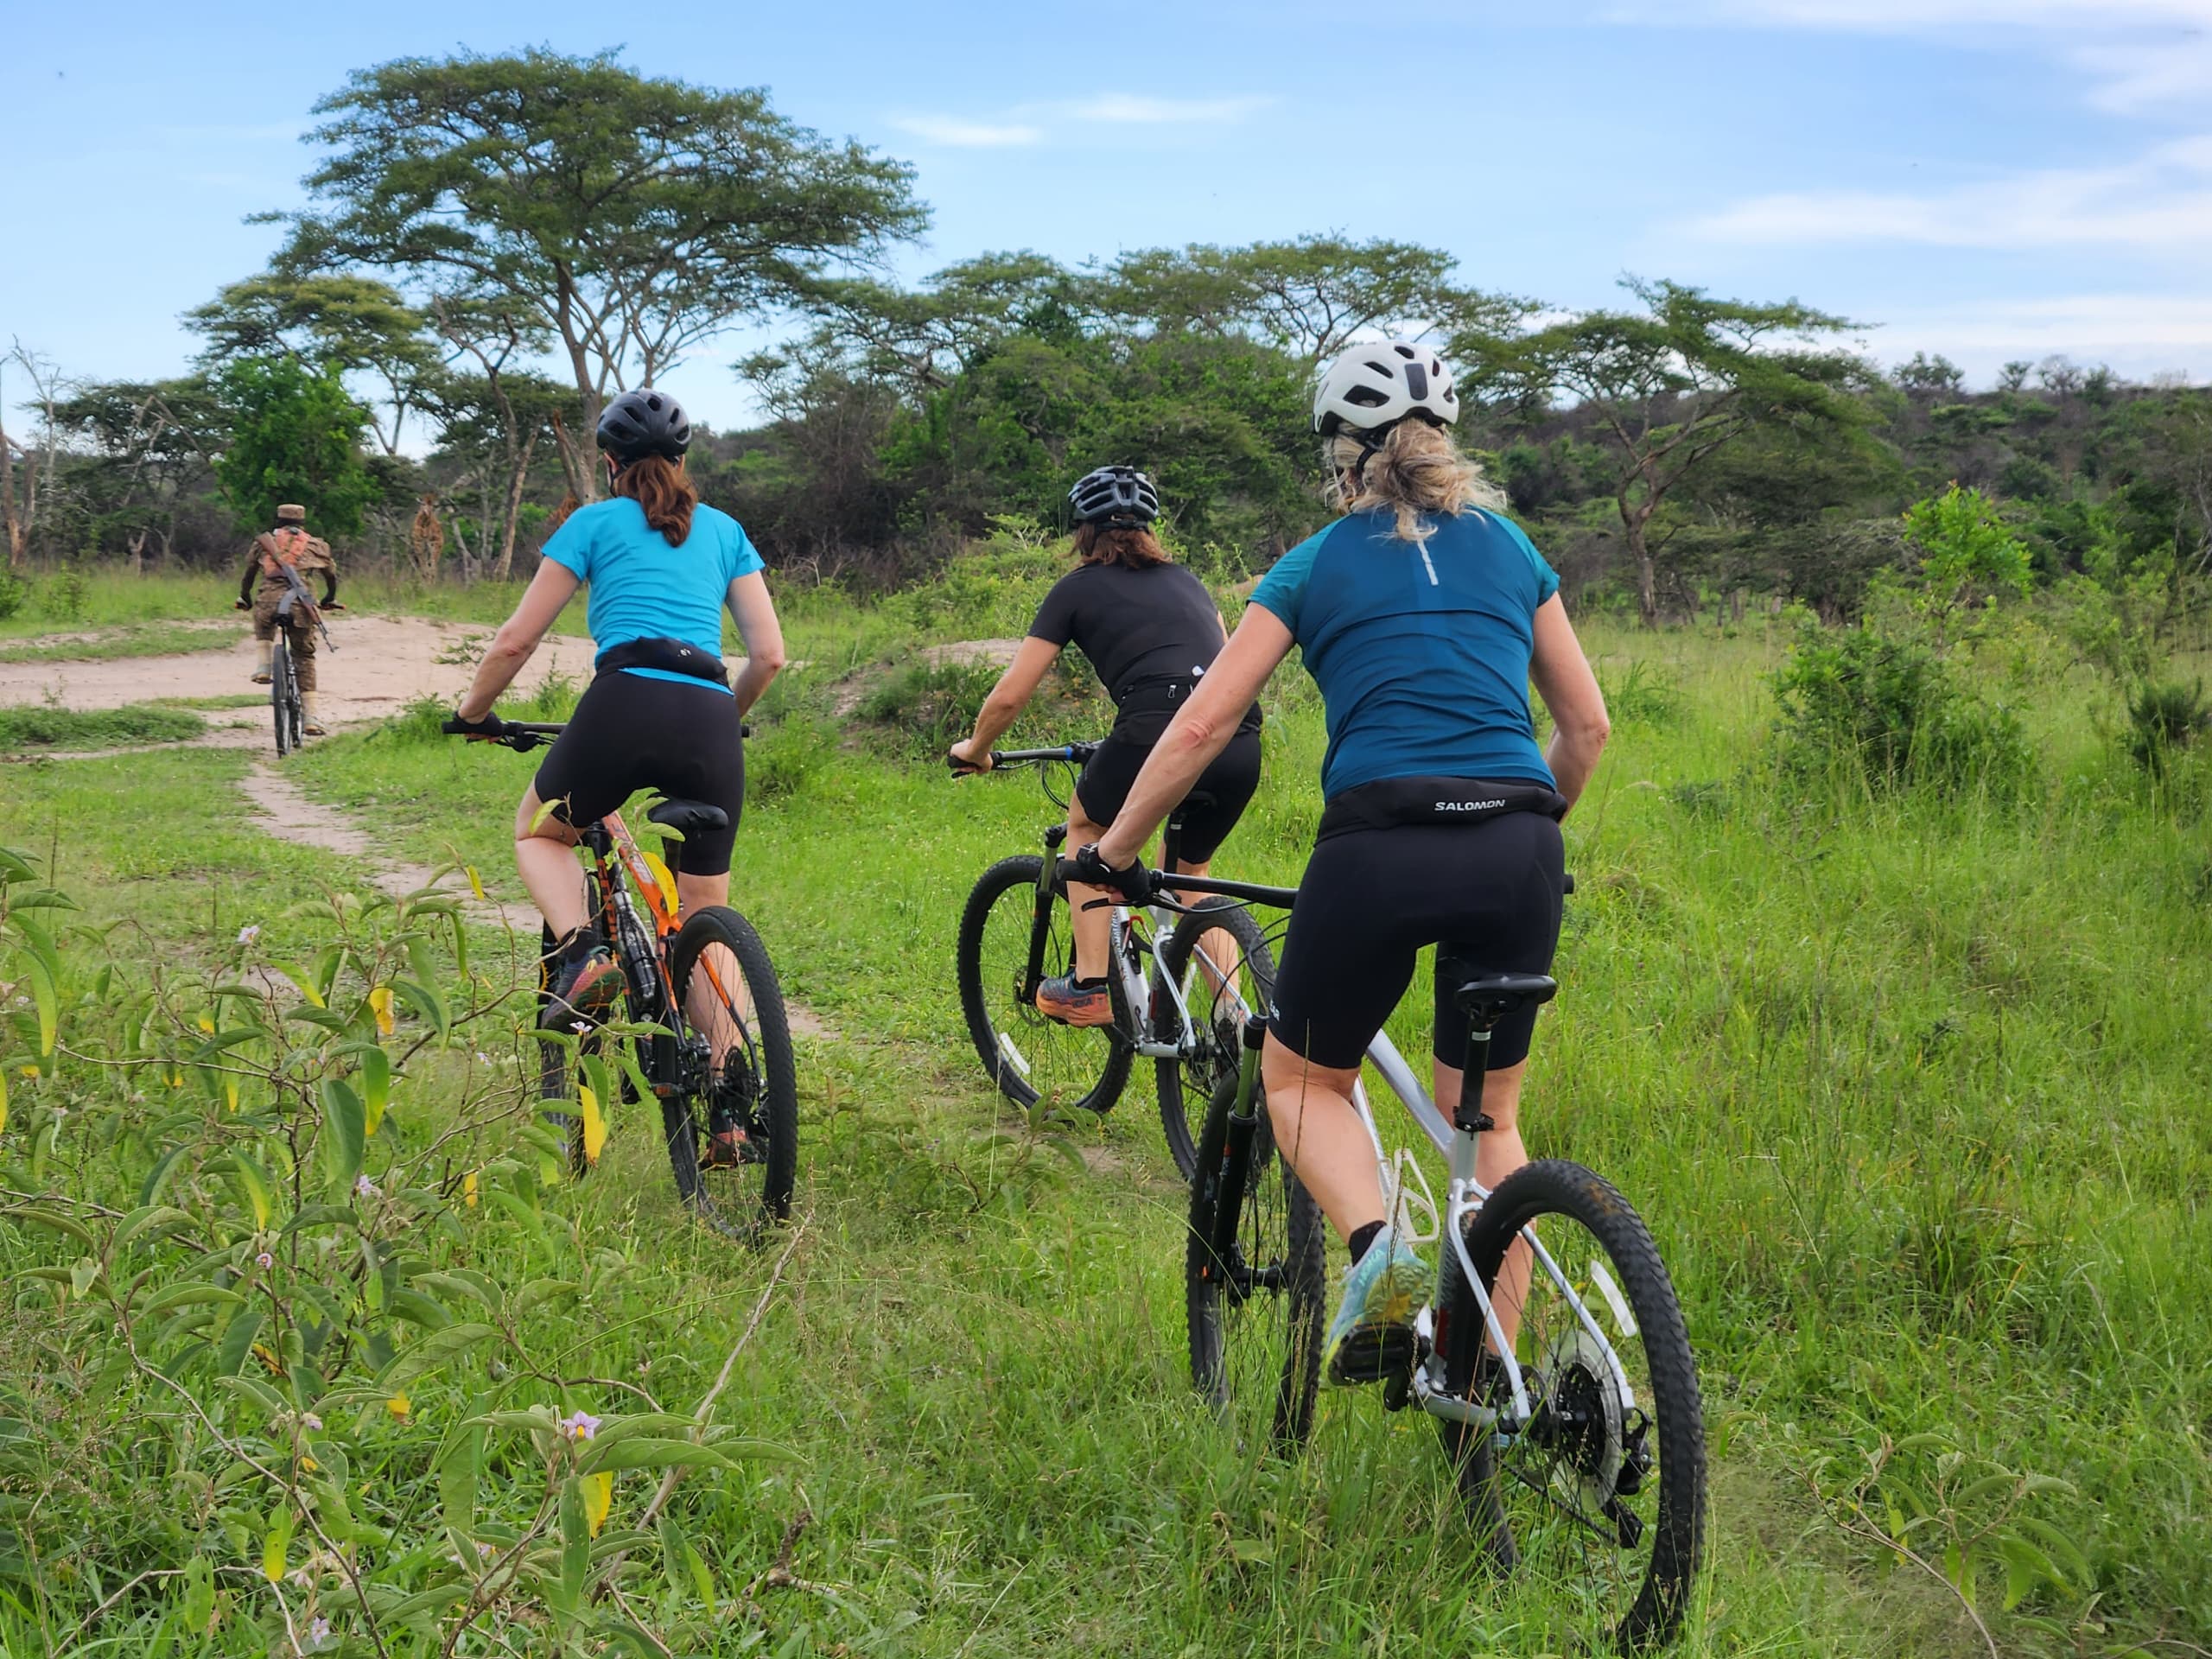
<point>1469,1114</point>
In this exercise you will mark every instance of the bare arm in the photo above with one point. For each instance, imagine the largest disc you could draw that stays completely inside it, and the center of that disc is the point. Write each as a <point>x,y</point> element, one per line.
<point>1199,733</point>
<point>755,615</point>
<point>1579,727</point>
<point>553,587</point>
<point>1007,699</point>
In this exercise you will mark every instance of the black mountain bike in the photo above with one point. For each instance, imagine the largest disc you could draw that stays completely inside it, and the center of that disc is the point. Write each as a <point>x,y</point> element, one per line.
<point>286,704</point>
<point>1553,1357</point>
<point>1179,1000</point>
<point>702,1030</point>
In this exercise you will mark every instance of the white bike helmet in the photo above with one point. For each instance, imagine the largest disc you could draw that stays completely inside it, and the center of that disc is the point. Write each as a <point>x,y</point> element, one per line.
<point>1373,386</point>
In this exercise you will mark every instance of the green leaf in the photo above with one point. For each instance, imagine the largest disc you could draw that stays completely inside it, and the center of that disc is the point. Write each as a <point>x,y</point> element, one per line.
<point>376,1085</point>
<point>345,1131</point>
<point>158,1177</point>
<point>417,1309</point>
<point>49,1007</point>
<point>186,1294</point>
<point>425,1002</point>
<point>576,1545</point>
<point>39,1216</point>
<point>253,1388</point>
<point>457,1472</point>
<point>538,1290</point>
<point>437,1348</point>
<point>237,1341</point>
<point>40,898</point>
<point>254,1185</point>
<point>649,1453</point>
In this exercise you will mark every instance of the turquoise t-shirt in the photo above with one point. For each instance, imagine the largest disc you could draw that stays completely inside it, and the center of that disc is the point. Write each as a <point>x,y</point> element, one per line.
<point>1420,649</point>
<point>643,588</point>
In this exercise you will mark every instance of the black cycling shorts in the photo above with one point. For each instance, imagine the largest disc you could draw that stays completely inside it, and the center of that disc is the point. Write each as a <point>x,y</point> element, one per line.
<point>1209,812</point>
<point>1485,893</point>
<point>632,732</point>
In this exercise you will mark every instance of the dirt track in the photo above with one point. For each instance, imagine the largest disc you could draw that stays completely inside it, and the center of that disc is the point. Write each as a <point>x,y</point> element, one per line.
<point>382,663</point>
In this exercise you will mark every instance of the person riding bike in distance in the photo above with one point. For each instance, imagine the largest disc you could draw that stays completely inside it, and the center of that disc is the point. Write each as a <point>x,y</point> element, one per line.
<point>1422,615</point>
<point>272,552</point>
<point>660,712</point>
<point>1151,630</point>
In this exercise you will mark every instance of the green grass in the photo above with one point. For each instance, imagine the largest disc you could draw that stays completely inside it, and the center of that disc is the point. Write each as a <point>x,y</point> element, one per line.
<point>1912,1094</point>
<point>35,726</point>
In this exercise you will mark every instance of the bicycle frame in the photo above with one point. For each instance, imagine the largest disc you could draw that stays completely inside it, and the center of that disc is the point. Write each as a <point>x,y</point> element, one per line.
<point>1457,1139</point>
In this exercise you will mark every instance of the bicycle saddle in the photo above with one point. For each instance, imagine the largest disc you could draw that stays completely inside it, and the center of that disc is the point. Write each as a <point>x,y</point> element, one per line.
<point>689,817</point>
<point>1490,998</point>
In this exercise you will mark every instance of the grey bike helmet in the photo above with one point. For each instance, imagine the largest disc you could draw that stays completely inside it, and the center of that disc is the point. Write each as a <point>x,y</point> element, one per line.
<point>1372,387</point>
<point>1120,496</point>
<point>644,423</point>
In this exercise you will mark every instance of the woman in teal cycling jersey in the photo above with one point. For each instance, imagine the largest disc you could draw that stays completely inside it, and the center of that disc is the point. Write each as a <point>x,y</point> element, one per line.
<point>660,713</point>
<point>1422,615</point>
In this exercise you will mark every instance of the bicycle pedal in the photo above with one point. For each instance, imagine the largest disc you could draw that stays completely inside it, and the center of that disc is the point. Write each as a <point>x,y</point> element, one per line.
<point>1376,1353</point>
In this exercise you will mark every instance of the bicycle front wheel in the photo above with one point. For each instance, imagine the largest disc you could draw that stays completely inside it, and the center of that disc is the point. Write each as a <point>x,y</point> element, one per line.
<point>732,1128</point>
<point>1600,1500</point>
<point>283,694</point>
<point>1254,1308</point>
<point>1219,961</point>
<point>1032,1060</point>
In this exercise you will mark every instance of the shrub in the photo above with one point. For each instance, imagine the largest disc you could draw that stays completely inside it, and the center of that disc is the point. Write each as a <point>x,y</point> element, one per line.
<point>1889,709</point>
<point>2164,717</point>
<point>934,703</point>
<point>990,591</point>
<point>14,591</point>
<point>1645,695</point>
<point>35,727</point>
<point>62,596</point>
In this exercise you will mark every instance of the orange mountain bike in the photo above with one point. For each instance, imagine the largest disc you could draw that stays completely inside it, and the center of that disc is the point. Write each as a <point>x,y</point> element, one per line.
<point>702,1029</point>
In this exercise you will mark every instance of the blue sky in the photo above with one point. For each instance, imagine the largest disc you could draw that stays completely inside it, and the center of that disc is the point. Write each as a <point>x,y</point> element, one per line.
<point>1988,178</point>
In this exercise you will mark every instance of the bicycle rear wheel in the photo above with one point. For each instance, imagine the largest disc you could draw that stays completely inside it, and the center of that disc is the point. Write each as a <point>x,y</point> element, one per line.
<point>1029,1059</point>
<point>1220,960</point>
<point>1255,1312</point>
<point>1600,1500</point>
<point>283,696</point>
<point>733,1127</point>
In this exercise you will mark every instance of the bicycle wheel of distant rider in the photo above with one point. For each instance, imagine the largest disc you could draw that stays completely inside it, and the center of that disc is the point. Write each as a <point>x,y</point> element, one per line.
<point>1256,1316</point>
<point>1601,1500</point>
<point>1029,1058</point>
<point>1221,983</point>
<point>283,696</point>
<point>563,1113</point>
<point>733,1127</point>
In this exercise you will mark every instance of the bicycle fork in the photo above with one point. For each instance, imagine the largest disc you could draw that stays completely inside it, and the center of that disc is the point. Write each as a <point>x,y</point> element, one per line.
<point>1236,1165</point>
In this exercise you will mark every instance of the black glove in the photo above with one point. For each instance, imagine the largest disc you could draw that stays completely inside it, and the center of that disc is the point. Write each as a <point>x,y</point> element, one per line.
<point>1133,883</point>
<point>241,605</point>
<point>963,768</point>
<point>490,727</point>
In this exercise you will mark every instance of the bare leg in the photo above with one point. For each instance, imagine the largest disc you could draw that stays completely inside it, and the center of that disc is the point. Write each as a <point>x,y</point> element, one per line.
<point>545,859</point>
<point>1217,956</point>
<point>1090,926</point>
<point>718,988</point>
<point>1499,1152</point>
<point>1321,1136</point>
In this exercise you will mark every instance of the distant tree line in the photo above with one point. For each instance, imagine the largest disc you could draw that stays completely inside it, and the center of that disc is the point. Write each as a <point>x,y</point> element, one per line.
<point>492,246</point>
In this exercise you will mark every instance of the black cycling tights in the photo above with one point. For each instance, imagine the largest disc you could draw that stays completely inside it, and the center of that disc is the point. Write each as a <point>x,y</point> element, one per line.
<point>632,732</point>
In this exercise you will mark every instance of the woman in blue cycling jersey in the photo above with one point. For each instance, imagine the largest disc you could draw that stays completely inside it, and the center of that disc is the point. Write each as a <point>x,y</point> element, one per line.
<point>1422,615</point>
<point>660,713</point>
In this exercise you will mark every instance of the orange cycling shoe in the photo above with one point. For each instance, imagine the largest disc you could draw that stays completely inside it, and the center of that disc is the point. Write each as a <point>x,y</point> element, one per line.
<point>1072,1004</point>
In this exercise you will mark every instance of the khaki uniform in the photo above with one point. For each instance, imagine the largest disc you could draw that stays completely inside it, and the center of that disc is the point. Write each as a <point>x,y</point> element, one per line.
<point>310,556</point>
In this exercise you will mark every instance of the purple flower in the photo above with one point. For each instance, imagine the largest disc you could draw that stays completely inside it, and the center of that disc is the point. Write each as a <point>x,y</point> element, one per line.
<point>247,935</point>
<point>265,1261</point>
<point>581,1426</point>
<point>311,1421</point>
<point>318,1630</point>
<point>364,1188</point>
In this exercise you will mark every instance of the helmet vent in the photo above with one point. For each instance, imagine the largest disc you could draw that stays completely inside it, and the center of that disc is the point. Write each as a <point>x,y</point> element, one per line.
<point>1366,398</point>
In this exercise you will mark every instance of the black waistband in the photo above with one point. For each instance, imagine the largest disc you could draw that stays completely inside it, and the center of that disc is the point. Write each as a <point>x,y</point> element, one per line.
<point>1164,695</point>
<point>672,655</point>
<point>1389,802</point>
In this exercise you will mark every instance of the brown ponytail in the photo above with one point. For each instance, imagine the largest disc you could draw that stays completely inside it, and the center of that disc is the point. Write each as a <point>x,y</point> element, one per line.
<point>1133,545</point>
<point>664,489</point>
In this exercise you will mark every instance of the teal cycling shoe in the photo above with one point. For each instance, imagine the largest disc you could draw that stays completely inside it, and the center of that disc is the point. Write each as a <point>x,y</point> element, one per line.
<point>1372,1335</point>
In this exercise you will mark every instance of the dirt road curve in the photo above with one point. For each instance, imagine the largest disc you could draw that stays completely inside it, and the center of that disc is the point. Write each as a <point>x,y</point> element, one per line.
<point>382,663</point>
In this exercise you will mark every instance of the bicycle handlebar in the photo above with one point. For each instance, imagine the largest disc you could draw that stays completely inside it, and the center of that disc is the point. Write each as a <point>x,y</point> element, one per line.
<point>1164,886</point>
<point>524,735</point>
<point>1073,753</point>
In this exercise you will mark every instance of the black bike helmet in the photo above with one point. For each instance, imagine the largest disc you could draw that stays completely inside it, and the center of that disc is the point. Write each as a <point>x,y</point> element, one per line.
<point>1121,496</point>
<point>644,423</point>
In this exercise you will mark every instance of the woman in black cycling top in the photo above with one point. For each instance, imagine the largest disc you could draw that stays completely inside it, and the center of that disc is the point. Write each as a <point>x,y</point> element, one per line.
<point>1422,615</point>
<point>660,712</point>
<point>1151,630</point>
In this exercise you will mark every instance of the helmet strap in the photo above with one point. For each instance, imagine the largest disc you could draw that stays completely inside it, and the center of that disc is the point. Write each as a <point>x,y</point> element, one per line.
<point>1370,441</point>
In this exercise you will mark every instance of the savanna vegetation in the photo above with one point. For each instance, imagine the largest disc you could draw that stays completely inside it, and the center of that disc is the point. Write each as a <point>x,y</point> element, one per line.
<point>1887,972</point>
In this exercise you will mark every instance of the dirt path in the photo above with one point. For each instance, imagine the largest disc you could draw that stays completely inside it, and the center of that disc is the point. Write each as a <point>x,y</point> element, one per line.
<point>381,665</point>
<point>284,811</point>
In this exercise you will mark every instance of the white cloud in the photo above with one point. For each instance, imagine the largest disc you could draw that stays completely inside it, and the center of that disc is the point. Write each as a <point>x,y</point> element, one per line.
<point>1136,110</point>
<point>2162,201</point>
<point>961,134</point>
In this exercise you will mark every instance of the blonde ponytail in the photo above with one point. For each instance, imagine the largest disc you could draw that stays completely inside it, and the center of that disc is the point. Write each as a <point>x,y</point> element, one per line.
<point>1417,471</point>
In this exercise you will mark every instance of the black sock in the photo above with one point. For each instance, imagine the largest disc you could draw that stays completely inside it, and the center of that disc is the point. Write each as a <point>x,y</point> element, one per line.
<point>1362,1238</point>
<point>574,947</point>
<point>1097,984</point>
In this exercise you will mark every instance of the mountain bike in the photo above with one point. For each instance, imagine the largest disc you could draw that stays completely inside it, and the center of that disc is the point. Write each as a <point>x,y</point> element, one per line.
<point>1179,1000</point>
<point>1553,1356</point>
<point>703,1028</point>
<point>286,704</point>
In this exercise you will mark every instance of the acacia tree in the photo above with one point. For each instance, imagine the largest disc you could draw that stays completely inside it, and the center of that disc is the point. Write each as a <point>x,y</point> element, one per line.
<point>1310,297</point>
<point>147,450</point>
<point>348,321</point>
<point>20,502</point>
<point>1668,387</point>
<point>631,217</point>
